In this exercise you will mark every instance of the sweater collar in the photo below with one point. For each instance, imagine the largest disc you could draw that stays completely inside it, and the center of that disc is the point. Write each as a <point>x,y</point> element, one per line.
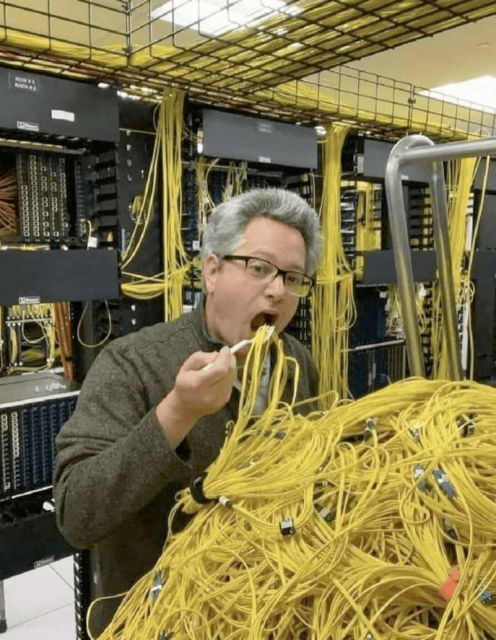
<point>199,321</point>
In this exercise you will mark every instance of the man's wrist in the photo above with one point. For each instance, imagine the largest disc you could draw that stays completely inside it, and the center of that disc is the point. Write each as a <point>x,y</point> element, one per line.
<point>175,420</point>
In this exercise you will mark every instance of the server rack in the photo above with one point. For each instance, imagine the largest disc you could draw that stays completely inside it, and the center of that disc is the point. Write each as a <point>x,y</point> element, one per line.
<point>59,251</point>
<point>32,411</point>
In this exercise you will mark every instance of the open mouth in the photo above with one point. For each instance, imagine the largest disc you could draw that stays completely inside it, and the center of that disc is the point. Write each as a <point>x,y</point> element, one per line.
<point>263,318</point>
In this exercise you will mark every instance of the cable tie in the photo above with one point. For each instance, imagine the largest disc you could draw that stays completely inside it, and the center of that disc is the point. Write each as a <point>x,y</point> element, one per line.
<point>225,502</point>
<point>196,488</point>
<point>418,472</point>
<point>447,589</point>
<point>444,483</point>
<point>287,527</point>
<point>370,425</point>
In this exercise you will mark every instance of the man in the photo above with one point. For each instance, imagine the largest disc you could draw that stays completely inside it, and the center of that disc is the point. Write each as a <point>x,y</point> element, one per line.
<point>150,418</point>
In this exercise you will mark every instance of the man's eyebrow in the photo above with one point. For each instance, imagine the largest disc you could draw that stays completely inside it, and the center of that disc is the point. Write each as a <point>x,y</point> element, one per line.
<point>299,268</point>
<point>293,267</point>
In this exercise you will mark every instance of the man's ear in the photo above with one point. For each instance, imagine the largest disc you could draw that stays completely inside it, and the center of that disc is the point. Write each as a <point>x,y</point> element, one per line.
<point>211,267</point>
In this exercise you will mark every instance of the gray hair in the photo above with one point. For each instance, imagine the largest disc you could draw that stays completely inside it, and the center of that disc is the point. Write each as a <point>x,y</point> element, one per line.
<point>227,222</point>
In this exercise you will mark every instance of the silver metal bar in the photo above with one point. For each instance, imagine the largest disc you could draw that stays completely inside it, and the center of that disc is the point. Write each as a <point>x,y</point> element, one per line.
<point>412,149</point>
<point>449,151</point>
<point>401,250</point>
<point>445,268</point>
<point>376,345</point>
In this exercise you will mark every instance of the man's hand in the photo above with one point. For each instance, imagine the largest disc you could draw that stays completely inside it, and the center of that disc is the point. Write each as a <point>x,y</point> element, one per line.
<point>197,393</point>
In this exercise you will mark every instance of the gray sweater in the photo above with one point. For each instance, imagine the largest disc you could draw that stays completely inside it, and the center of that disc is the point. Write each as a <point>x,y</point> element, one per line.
<point>116,475</point>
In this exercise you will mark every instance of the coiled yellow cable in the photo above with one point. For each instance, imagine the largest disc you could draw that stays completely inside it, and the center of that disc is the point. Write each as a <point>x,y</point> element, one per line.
<point>235,185</point>
<point>461,174</point>
<point>175,258</point>
<point>368,227</point>
<point>342,524</point>
<point>205,201</point>
<point>332,305</point>
<point>167,155</point>
<point>45,347</point>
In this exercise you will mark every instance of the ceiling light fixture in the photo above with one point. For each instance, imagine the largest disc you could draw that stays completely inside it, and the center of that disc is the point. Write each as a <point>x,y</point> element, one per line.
<point>478,91</point>
<point>215,17</point>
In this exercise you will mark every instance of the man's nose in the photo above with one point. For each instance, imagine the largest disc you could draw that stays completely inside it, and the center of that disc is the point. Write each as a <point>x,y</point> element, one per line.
<point>276,287</point>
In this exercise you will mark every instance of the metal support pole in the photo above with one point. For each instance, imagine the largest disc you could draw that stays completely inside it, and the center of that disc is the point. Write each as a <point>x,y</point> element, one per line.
<point>409,150</point>
<point>445,268</point>
<point>402,259</point>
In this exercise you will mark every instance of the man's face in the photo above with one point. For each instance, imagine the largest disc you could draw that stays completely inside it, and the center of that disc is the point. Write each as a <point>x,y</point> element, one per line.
<point>236,303</point>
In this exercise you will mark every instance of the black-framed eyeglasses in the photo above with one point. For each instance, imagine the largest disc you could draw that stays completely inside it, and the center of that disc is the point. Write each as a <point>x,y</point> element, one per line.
<point>299,284</point>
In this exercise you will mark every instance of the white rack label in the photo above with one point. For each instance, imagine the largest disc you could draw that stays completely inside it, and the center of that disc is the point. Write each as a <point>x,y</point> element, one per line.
<point>57,114</point>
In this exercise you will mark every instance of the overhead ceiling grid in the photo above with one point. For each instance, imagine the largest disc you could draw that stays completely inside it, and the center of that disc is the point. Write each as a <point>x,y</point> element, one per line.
<point>264,56</point>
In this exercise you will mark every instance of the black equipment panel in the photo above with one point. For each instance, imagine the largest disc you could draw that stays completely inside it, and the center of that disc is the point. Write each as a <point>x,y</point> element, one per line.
<point>229,135</point>
<point>35,103</point>
<point>34,277</point>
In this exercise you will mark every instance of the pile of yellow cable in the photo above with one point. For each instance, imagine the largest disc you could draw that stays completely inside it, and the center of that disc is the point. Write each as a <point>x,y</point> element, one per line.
<point>344,524</point>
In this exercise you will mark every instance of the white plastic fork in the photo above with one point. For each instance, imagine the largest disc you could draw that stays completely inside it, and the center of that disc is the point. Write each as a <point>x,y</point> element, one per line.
<point>242,343</point>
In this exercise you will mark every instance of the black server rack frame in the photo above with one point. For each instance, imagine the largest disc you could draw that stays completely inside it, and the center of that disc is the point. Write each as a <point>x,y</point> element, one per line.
<point>33,408</point>
<point>49,129</point>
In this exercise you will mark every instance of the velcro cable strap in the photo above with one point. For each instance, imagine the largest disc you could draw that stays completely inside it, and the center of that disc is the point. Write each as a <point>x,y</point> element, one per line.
<point>196,488</point>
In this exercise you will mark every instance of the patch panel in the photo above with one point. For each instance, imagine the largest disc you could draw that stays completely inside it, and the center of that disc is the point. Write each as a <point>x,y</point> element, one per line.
<point>43,196</point>
<point>32,411</point>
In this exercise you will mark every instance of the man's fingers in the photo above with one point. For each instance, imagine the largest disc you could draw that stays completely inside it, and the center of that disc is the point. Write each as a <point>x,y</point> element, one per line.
<point>215,366</point>
<point>202,391</point>
<point>226,358</point>
<point>223,365</point>
<point>197,361</point>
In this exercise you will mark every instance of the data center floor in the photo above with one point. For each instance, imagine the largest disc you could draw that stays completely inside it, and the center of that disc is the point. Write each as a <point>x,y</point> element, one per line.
<point>40,603</point>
